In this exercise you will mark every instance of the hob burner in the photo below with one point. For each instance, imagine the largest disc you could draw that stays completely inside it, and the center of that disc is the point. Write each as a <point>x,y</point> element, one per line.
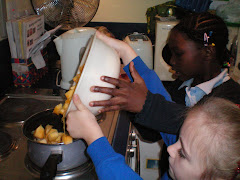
<point>18,109</point>
<point>83,171</point>
<point>7,144</point>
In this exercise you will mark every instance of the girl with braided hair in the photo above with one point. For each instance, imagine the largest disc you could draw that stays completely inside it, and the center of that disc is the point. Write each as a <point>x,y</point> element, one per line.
<point>198,48</point>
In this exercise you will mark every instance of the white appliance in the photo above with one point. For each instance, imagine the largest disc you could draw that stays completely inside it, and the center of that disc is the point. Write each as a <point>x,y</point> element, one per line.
<point>234,38</point>
<point>142,156</point>
<point>71,46</point>
<point>142,45</point>
<point>150,154</point>
<point>160,66</point>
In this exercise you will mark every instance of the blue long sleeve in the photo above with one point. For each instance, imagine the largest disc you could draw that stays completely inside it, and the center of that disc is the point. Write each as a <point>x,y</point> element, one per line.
<point>155,86</point>
<point>109,164</point>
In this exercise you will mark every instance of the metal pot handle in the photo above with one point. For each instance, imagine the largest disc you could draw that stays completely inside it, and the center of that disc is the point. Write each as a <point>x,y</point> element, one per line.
<point>49,169</point>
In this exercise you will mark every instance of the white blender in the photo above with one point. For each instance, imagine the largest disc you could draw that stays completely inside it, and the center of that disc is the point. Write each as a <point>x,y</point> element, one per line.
<point>71,46</point>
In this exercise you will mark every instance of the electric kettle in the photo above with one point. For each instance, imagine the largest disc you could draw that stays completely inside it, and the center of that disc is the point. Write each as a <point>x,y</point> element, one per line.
<point>71,46</point>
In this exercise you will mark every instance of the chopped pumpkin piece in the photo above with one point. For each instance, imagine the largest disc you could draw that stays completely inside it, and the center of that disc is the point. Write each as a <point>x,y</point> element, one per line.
<point>67,139</point>
<point>39,132</point>
<point>48,128</point>
<point>59,138</point>
<point>57,109</point>
<point>43,141</point>
<point>52,135</point>
<point>76,78</point>
<point>69,94</point>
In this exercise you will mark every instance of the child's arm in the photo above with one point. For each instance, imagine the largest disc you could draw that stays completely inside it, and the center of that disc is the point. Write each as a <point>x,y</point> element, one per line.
<point>109,164</point>
<point>126,53</point>
<point>160,114</point>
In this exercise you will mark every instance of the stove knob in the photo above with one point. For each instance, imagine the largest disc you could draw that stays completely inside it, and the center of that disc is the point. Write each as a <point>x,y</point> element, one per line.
<point>132,136</point>
<point>130,152</point>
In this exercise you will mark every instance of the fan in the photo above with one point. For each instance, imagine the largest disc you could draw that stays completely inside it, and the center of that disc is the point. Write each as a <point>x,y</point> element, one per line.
<point>68,13</point>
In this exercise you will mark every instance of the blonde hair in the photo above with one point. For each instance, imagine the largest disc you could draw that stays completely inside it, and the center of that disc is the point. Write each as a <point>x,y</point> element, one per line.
<point>222,153</point>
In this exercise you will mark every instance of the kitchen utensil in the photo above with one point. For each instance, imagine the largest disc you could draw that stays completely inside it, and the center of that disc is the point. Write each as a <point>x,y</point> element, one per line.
<point>142,46</point>
<point>68,13</point>
<point>70,47</point>
<point>52,157</point>
<point>99,59</point>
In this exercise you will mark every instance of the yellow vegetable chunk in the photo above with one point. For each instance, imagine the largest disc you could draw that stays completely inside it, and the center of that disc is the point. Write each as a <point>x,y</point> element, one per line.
<point>53,142</point>
<point>76,78</point>
<point>43,141</point>
<point>65,106</point>
<point>62,111</point>
<point>39,132</point>
<point>69,94</point>
<point>72,87</point>
<point>59,138</point>
<point>48,128</point>
<point>57,109</point>
<point>52,135</point>
<point>67,139</point>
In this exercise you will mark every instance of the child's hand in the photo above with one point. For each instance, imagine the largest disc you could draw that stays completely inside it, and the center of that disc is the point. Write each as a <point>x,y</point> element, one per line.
<point>127,96</point>
<point>126,53</point>
<point>82,123</point>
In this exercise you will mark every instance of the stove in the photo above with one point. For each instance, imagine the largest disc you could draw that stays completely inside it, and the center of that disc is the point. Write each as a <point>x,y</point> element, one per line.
<point>15,108</point>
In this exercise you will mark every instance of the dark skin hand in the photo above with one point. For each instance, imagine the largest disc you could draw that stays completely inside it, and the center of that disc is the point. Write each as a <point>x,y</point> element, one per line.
<point>126,96</point>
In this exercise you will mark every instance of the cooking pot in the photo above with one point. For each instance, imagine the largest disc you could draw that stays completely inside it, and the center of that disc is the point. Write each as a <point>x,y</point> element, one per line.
<point>52,157</point>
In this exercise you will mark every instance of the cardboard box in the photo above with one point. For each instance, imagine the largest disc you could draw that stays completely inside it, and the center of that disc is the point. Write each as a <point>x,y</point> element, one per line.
<point>25,74</point>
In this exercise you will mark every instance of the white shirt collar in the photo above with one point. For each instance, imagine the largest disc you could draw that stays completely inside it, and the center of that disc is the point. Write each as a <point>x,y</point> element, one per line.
<point>208,85</point>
